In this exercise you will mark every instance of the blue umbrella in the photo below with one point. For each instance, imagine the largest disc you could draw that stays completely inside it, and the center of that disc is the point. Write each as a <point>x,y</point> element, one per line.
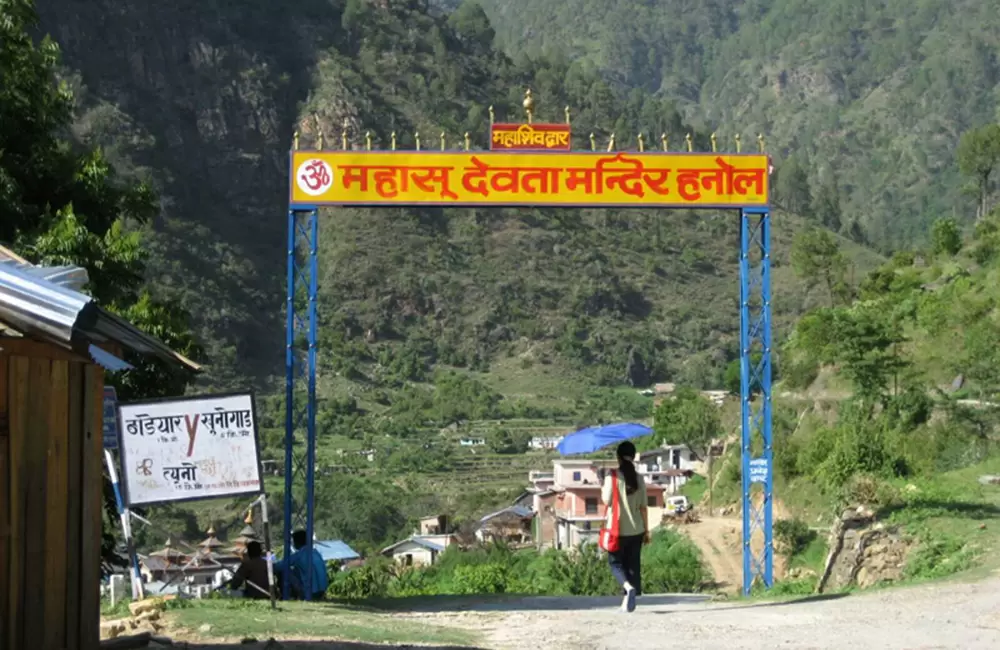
<point>587,441</point>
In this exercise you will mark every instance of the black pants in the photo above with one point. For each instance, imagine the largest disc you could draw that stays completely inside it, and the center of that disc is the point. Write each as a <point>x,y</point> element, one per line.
<point>625,562</point>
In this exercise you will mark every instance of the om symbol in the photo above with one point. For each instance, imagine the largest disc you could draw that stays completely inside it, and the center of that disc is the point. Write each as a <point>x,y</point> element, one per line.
<point>314,177</point>
<point>145,468</point>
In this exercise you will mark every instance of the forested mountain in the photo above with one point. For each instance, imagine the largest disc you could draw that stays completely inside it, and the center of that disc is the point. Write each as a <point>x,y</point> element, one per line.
<point>869,97</point>
<point>202,98</point>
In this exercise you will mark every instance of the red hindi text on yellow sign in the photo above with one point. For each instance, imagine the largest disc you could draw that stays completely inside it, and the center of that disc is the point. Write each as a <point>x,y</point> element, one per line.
<point>501,178</point>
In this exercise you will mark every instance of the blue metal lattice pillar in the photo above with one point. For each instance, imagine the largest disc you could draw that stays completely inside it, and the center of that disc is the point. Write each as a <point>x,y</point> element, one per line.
<point>755,396</point>
<point>300,368</point>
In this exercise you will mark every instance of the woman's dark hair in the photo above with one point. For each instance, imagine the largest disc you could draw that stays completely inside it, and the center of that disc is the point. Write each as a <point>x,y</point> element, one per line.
<point>626,453</point>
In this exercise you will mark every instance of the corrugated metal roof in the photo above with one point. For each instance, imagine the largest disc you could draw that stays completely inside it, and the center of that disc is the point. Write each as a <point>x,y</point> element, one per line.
<point>517,511</point>
<point>334,550</point>
<point>37,302</point>
<point>418,541</point>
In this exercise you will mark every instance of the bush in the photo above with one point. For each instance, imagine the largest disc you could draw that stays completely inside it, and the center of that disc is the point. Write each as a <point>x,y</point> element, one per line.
<point>364,583</point>
<point>946,237</point>
<point>672,564</point>
<point>481,579</point>
<point>793,536</point>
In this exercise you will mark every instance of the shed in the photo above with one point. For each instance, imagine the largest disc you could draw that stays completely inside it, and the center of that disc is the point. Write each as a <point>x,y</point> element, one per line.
<point>334,550</point>
<point>55,343</point>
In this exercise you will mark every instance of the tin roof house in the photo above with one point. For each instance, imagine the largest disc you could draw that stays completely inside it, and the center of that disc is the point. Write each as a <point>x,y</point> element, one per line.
<point>55,343</point>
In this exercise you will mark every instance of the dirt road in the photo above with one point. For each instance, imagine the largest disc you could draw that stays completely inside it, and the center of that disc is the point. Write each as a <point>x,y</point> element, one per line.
<point>718,539</point>
<point>956,615</point>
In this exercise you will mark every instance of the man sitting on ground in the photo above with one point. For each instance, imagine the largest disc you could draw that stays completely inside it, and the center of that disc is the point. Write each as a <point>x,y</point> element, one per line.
<point>300,563</point>
<point>252,573</point>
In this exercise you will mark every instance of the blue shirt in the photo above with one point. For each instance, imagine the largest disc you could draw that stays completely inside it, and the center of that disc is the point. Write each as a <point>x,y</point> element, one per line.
<point>300,564</point>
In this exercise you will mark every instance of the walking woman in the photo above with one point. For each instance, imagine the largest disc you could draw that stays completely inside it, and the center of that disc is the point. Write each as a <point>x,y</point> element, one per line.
<point>624,491</point>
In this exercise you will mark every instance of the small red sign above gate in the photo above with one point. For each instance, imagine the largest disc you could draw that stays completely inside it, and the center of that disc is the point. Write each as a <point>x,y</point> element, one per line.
<point>530,137</point>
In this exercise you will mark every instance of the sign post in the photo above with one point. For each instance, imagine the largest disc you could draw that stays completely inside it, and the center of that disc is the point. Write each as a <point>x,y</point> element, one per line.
<point>110,418</point>
<point>124,514</point>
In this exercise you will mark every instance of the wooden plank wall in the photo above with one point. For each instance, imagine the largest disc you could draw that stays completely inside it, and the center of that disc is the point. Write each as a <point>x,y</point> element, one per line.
<point>50,499</point>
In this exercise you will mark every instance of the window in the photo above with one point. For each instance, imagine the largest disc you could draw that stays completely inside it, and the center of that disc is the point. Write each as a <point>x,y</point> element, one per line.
<point>577,476</point>
<point>408,559</point>
<point>676,460</point>
<point>590,506</point>
<point>651,501</point>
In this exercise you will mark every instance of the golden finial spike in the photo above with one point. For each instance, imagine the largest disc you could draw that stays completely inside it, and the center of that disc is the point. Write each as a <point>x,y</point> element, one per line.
<point>295,141</point>
<point>529,105</point>
<point>492,115</point>
<point>566,110</point>
<point>739,146</point>
<point>343,136</point>
<point>593,142</point>
<point>393,144</point>
<point>248,520</point>
<point>642,143</point>
<point>468,141</point>
<point>442,141</point>
<point>368,140</point>
<point>611,143</point>
<point>416,136</point>
<point>714,143</point>
<point>760,142</point>
<point>663,141</point>
<point>320,140</point>
<point>690,143</point>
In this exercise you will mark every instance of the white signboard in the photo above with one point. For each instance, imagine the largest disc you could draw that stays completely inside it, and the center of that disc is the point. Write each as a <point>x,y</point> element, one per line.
<point>189,448</point>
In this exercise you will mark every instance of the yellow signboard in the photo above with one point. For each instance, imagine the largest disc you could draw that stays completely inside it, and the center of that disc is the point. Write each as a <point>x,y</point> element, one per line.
<point>536,179</point>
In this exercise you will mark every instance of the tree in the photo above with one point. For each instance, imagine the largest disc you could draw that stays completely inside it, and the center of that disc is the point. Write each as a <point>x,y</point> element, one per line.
<point>826,204</point>
<point>505,441</point>
<point>816,258</point>
<point>978,156</point>
<point>791,186</point>
<point>62,205</point>
<point>981,359</point>
<point>687,418</point>
<point>862,339</point>
<point>946,237</point>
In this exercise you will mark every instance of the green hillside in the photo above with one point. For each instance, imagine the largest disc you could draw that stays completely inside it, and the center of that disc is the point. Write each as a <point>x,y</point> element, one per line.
<point>869,97</point>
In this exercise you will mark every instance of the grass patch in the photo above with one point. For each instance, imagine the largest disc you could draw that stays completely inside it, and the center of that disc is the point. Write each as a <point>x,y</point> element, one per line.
<point>695,488</point>
<point>241,619</point>
<point>812,557</point>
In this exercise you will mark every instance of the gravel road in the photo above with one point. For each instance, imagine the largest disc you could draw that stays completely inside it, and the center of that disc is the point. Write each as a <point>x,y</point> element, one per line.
<point>956,615</point>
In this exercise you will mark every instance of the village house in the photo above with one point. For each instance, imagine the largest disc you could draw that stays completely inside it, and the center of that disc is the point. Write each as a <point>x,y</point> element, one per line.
<point>670,466</point>
<point>545,443</point>
<point>568,507</point>
<point>511,525</point>
<point>425,545</point>
<point>414,552</point>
